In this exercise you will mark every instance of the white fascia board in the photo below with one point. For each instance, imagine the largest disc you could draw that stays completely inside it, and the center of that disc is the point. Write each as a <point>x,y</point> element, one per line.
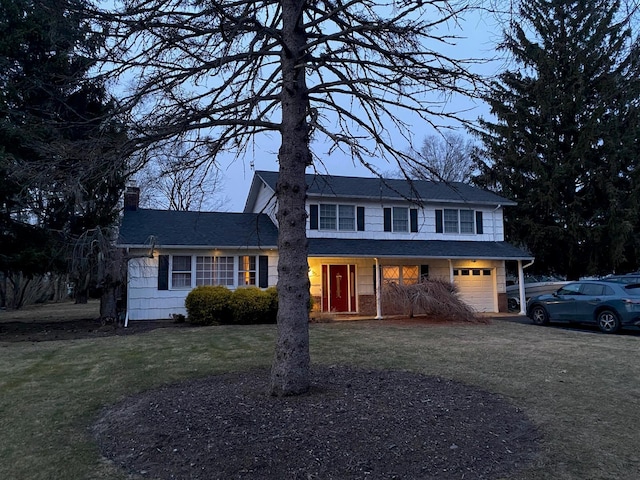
<point>421,201</point>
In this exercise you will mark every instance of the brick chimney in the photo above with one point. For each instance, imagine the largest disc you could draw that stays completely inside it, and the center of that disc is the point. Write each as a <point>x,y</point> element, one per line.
<point>131,199</point>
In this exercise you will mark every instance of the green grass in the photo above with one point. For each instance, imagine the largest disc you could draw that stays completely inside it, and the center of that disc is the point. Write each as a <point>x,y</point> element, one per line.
<point>582,389</point>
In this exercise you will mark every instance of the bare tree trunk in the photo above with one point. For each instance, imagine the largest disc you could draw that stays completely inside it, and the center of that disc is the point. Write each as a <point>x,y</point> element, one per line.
<point>290,369</point>
<point>108,304</point>
<point>3,290</point>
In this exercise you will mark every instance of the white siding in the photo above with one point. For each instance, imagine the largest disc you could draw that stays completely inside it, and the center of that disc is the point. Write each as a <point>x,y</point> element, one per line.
<point>266,203</point>
<point>492,221</point>
<point>146,302</point>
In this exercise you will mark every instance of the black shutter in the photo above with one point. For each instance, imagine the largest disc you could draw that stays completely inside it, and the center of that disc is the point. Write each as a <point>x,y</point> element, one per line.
<point>413,216</point>
<point>313,217</point>
<point>424,272</point>
<point>479,226</point>
<point>439,227</point>
<point>263,271</point>
<point>163,272</point>
<point>387,219</point>
<point>360,220</point>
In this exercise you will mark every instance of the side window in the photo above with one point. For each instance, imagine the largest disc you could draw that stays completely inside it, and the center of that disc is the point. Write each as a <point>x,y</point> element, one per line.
<point>592,289</point>
<point>570,289</point>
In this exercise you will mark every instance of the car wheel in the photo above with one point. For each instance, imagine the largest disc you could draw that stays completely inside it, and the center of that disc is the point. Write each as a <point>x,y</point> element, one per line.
<point>513,305</point>
<point>608,321</point>
<point>539,315</point>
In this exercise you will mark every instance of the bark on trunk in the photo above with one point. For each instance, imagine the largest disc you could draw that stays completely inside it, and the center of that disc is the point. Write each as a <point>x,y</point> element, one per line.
<point>290,369</point>
<point>108,305</point>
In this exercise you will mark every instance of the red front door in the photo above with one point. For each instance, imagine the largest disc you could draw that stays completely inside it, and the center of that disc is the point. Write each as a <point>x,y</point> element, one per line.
<point>338,288</point>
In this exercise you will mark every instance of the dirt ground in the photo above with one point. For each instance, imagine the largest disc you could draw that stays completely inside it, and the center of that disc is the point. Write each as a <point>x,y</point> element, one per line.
<point>353,424</point>
<point>67,321</point>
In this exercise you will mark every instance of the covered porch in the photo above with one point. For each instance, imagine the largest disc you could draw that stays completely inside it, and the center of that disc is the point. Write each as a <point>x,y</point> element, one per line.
<point>347,276</point>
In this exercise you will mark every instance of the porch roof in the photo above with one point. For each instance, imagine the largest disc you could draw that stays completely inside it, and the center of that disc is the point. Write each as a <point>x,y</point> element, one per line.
<point>445,249</point>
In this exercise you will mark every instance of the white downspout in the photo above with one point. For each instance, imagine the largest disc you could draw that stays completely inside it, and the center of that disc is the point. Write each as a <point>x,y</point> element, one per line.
<point>378,297</point>
<point>523,300</point>
<point>450,271</point>
<point>126,315</point>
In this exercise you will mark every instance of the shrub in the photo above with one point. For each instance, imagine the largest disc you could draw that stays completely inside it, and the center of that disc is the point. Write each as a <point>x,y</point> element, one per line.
<point>249,305</point>
<point>215,305</point>
<point>272,313</point>
<point>209,305</point>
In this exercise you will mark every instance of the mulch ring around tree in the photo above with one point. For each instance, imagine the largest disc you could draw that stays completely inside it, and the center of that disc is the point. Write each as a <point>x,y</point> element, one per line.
<point>353,424</point>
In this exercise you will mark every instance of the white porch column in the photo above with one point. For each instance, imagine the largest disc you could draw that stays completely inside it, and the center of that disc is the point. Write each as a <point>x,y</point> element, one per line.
<point>378,297</point>
<point>523,300</point>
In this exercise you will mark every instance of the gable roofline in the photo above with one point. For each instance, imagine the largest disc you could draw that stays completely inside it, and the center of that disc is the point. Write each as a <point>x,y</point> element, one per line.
<point>256,182</point>
<point>389,189</point>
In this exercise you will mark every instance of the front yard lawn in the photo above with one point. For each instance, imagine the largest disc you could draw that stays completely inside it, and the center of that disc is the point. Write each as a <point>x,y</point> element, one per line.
<point>580,389</point>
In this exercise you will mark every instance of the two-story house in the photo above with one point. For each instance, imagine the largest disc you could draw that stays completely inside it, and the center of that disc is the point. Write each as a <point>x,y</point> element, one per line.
<point>363,232</point>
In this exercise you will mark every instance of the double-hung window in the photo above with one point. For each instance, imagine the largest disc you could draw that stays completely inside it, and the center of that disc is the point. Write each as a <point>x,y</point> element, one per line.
<point>328,216</point>
<point>337,217</point>
<point>246,270</point>
<point>346,217</point>
<point>400,219</point>
<point>466,221</point>
<point>450,220</point>
<point>181,271</point>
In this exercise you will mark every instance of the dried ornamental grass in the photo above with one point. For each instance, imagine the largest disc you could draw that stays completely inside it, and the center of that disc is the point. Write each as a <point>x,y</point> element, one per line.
<point>432,297</point>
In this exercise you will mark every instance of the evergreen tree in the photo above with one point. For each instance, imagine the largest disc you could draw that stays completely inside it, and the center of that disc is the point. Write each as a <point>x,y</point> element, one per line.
<point>565,142</point>
<point>62,173</point>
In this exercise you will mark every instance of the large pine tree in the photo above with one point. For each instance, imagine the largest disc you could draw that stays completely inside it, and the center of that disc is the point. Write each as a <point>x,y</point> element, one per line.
<point>564,144</point>
<point>62,173</point>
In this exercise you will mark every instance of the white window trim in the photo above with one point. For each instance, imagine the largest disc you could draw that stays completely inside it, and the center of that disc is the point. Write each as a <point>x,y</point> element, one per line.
<point>337,217</point>
<point>193,272</point>
<point>459,221</point>
<point>393,220</point>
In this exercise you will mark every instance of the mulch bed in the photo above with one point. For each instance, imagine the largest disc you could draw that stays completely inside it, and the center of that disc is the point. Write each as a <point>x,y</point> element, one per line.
<point>75,329</point>
<point>353,424</point>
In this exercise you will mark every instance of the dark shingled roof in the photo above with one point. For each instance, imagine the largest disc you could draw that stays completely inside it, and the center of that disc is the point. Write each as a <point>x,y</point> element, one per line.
<point>197,229</point>
<point>398,189</point>
<point>330,247</point>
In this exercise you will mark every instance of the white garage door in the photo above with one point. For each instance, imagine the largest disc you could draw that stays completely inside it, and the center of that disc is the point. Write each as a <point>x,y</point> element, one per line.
<point>477,287</point>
